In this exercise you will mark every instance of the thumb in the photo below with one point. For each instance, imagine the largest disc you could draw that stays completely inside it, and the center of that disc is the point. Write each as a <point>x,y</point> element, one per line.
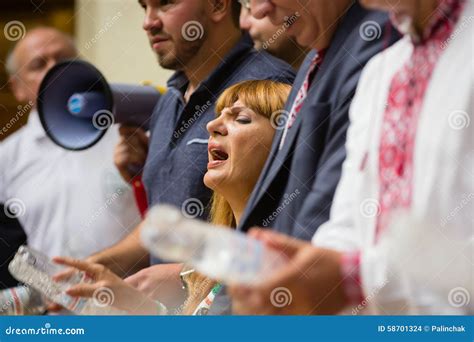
<point>53,307</point>
<point>127,131</point>
<point>280,242</point>
<point>133,280</point>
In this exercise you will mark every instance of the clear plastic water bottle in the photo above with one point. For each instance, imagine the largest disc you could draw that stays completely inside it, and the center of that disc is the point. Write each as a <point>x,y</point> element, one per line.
<point>218,252</point>
<point>36,270</point>
<point>21,300</point>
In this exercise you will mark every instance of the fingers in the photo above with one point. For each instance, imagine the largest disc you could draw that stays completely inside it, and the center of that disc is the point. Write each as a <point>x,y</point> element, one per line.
<point>53,307</point>
<point>126,153</point>
<point>257,299</point>
<point>144,139</point>
<point>256,233</point>
<point>129,132</point>
<point>82,290</point>
<point>268,235</point>
<point>246,301</point>
<point>79,290</point>
<point>89,268</point>
<point>280,242</point>
<point>65,275</point>
<point>133,140</point>
<point>136,142</point>
<point>129,164</point>
<point>133,280</point>
<point>131,151</point>
<point>126,130</point>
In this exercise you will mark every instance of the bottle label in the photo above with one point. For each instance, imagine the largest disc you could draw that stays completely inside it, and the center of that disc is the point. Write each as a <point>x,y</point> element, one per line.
<point>16,301</point>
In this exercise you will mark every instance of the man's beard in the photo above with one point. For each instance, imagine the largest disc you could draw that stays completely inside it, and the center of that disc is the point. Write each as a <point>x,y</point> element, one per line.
<point>179,57</point>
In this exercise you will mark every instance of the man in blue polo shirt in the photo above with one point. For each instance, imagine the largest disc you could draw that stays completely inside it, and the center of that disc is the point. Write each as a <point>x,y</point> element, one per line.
<point>202,41</point>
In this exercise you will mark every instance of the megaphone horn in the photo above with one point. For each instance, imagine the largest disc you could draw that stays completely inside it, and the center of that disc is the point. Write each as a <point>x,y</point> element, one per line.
<point>76,104</point>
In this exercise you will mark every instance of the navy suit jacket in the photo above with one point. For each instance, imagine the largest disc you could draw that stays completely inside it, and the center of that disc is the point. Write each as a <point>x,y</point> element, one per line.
<point>295,190</point>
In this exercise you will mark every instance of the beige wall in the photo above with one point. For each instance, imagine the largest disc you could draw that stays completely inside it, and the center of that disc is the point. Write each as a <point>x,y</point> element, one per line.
<point>109,34</point>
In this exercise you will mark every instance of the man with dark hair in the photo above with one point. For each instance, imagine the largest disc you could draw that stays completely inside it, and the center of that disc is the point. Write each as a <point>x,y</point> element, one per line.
<point>202,42</point>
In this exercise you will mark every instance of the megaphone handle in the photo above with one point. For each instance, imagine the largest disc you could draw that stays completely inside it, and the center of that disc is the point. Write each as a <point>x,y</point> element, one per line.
<point>140,195</point>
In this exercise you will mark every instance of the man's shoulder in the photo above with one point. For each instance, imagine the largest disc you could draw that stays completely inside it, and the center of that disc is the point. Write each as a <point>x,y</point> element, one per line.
<point>361,35</point>
<point>262,65</point>
<point>356,42</point>
<point>13,142</point>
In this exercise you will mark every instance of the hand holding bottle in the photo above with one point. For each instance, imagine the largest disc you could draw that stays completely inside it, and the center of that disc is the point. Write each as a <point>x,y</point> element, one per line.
<point>218,252</point>
<point>108,289</point>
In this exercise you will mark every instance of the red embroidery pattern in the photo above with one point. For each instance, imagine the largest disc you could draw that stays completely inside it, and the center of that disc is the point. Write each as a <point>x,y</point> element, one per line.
<point>405,101</point>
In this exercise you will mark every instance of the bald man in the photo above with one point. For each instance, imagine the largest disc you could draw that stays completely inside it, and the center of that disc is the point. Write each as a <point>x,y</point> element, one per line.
<point>33,56</point>
<point>69,203</point>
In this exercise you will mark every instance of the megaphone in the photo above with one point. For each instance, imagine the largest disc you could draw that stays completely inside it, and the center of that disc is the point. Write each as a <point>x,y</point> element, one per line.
<point>76,105</point>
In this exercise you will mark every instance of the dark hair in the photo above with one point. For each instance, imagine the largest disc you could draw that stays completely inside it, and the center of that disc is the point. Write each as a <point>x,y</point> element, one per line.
<point>236,12</point>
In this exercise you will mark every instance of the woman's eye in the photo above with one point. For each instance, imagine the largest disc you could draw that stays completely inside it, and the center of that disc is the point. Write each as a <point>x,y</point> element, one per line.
<point>243,120</point>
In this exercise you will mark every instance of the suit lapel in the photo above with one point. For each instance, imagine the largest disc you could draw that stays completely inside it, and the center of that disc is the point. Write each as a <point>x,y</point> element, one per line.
<point>264,180</point>
<point>277,157</point>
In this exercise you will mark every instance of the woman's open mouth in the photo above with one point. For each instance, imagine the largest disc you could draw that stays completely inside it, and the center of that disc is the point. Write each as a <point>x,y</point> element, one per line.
<point>217,156</point>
